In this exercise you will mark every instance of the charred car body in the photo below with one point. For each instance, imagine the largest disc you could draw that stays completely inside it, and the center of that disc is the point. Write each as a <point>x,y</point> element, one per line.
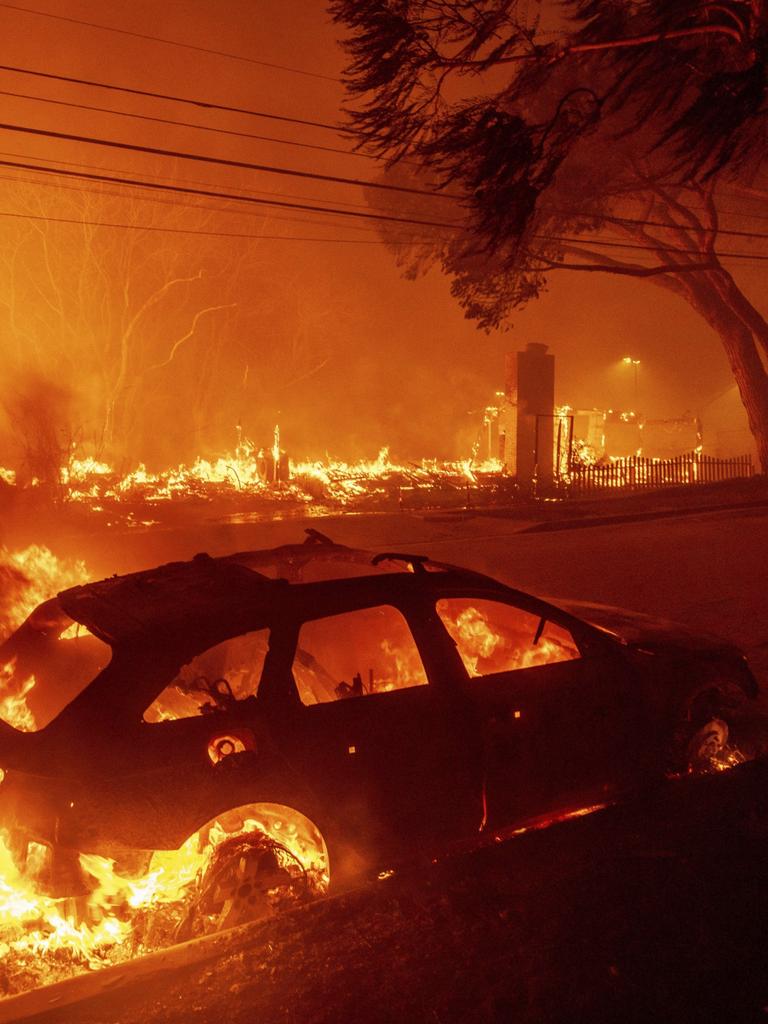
<point>396,703</point>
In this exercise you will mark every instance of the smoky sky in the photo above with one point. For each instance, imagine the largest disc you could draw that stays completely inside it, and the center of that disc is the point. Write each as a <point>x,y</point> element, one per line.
<point>324,337</point>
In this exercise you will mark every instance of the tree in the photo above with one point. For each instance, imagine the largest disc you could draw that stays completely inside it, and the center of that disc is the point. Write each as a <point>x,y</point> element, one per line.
<point>130,327</point>
<point>607,149</point>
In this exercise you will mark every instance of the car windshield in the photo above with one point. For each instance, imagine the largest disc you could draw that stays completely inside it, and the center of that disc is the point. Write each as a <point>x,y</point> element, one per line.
<point>44,665</point>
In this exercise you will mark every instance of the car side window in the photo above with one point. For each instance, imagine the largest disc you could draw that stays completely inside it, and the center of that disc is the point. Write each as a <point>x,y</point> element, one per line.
<point>369,650</point>
<point>492,636</point>
<point>214,680</point>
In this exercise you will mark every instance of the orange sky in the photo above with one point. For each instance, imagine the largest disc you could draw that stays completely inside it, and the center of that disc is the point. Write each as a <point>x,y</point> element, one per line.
<point>386,360</point>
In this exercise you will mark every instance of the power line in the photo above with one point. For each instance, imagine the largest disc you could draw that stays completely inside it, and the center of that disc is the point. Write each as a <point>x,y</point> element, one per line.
<point>757,257</point>
<point>221,161</point>
<point>181,124</point>
<point>581,240</point>
<point>640,222</point>
<point>169,42</point>
<point>187,181</point>
<point>194,231</point>
<point>204,104</point>
<point>220,209</point>
<point>211,194</point>
<point>299,238</point>
<point>175,203</point>
<point>363,206</point>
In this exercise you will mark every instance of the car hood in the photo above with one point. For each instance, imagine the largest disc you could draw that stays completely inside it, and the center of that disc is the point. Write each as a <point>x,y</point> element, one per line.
<point>641,630</point>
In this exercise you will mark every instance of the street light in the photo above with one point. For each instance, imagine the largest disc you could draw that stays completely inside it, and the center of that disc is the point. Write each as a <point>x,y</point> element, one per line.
<point>629,361</point>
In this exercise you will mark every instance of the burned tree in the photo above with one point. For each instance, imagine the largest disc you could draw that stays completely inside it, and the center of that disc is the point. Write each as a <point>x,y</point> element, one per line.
<point>608,148</point>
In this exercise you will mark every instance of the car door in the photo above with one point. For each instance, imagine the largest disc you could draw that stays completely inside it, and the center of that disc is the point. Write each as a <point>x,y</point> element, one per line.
<point>203,744</point>
<point>558,714</point>
<point>384,735</point>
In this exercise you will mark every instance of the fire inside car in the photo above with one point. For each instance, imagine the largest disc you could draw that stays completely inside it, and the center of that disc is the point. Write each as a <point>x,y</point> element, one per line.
<point>202,744</point>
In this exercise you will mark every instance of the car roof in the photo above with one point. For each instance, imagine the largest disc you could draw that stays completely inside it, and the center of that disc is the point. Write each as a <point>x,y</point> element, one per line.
<point>245,587</point>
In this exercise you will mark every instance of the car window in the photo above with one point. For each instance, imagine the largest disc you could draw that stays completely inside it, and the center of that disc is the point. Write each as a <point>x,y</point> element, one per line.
<point>47,671</point>
<point>214,680</point>
<point>370,650</point>
<point>492,636</point>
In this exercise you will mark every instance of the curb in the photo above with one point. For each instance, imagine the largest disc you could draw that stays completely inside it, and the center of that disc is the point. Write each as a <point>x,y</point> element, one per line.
<point>639,517</point>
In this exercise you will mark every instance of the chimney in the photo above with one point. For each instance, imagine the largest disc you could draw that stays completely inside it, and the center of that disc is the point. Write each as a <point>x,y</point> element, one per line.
<point>535,389</point>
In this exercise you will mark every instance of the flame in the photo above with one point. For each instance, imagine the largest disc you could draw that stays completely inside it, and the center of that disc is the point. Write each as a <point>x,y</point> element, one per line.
<point>43,938</point>
<point>29,577</point>
<point>266,473</point>
<point>486,648</point>
<point>13,699</point>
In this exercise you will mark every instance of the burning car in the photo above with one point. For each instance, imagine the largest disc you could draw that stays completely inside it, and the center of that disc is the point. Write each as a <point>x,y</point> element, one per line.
<point>362,709</point>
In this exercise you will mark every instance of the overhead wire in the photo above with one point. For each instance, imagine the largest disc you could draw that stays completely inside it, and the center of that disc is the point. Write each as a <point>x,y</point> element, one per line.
<point>328,212</point>
<point>211,194</point>
<point>580,240</point>
<point>188,181</point>
<point>148,94</point>
<point>168,42</point>
<point>180,203</point>
<point>180,124</point>
<point>192,231</point>
<point>220,161</point>
<point>641,222</point>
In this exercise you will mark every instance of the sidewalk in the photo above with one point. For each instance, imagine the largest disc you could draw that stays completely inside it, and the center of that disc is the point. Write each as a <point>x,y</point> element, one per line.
<point>572,513</point>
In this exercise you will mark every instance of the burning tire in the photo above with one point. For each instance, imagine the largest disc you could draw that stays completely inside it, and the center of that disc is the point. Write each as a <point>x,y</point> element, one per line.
<point>250,877</point>
<point>724,729</point>
<point>709,749</point>
<point>262,860</point>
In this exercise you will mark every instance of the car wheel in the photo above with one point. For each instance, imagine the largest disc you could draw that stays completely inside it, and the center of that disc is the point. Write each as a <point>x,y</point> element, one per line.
<point>250,876</point>
<point>710,749</point>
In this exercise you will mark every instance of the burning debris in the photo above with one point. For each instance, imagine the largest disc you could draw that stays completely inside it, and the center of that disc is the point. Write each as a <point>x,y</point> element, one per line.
<point>216,879</point>
<point>251,478</point>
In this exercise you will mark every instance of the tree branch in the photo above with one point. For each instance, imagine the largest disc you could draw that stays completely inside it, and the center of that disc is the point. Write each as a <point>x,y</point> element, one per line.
<point>180,341</point>
<point>629,270</point>
<point>645,40</point>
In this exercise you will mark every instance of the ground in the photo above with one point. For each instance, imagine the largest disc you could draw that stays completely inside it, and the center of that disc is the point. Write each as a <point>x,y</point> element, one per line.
<point>653,912</point>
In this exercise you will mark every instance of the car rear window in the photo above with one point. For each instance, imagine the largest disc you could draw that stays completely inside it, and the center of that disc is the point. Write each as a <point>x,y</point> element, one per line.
<point>492,636</point>
<point>214,680</point>
<point>356,654</point>
<point>40,676</point>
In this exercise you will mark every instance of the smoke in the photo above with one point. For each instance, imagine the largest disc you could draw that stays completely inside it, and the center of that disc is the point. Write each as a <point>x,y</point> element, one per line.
<point>39,414</point>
